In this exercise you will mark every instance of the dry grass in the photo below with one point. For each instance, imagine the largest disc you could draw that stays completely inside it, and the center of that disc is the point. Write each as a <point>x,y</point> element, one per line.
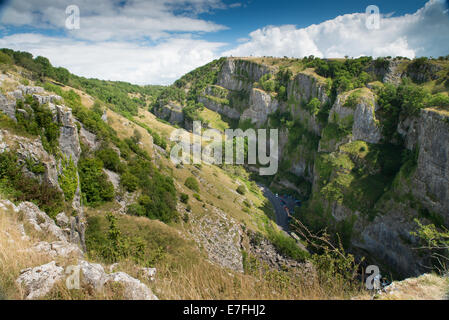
<point>425,287</point>
<point>14,255</point>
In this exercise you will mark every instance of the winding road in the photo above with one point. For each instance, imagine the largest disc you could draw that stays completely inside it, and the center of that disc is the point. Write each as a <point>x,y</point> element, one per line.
<point>280,212</point>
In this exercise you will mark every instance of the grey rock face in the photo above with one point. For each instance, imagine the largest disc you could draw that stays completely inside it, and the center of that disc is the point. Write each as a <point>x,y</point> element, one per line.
<point>238,74</point>
<point>47,99</point>
<point>30,89</point>
<point>305,87</point>
<point>40,280</point>
<point>89,138</point>
<point>8,107</point>
<point>58,249</point>
<point>68,138</point>
<point>432,173</point>
<point>40,221</point>
<point>134,289</point>
<point>220,108</point>
<point>261,105</point>
<point>95,276</point>
<point>365,126</point>
<point>221,238</point>
<point>170,112</point>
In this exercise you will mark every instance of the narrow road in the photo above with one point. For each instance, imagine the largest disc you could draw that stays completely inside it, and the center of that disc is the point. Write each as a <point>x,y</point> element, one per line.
<point>281,214</point>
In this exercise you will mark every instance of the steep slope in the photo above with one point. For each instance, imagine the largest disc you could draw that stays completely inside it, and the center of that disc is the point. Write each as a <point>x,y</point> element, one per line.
<point>363,140</point>
<point>136,210</point>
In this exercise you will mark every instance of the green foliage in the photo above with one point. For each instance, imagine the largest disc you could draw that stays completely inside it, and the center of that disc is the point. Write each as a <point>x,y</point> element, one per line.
<point>346,75</point>
<point>157,139</point>
<point>407,99</point>
<point>114,246</point>
<point>39,122</point>
<point>184,198</point>
<point>22,188</point>
<point>95,185</point>
<point>435,241</point>
<point>200,78</point>
<point>241,189</point>
<point>5,59</point>
<point>192,184</point>
<point>286,245</point>
<point>68,179</point>
<point>129,181</point>
<point>158,200</point>
<point>35,167</point>
<point>192,110</point>
<point>313,106</point>
<point>110,159</point>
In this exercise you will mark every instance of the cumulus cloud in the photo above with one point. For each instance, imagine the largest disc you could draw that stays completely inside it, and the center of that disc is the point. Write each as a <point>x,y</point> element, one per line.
<point>157,41</point>
<point>103,20</point>
<point>426,32</point>
<point>159,64</point>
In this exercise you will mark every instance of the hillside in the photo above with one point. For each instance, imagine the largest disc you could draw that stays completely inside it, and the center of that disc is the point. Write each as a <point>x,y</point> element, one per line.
<point>86,179</point>
<point>362,141</point>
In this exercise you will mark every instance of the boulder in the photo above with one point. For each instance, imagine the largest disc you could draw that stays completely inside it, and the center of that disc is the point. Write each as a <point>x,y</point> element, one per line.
<point>38,281</point>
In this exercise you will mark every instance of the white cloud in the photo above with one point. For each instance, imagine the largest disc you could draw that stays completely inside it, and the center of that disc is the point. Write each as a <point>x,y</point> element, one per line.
<point>160,64</point>
<point>425,32</point>
<point>102,20</point>
<point>113,42</point>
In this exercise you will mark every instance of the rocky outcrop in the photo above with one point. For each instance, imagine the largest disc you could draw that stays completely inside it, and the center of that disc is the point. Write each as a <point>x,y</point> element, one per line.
<point>68,138</point>
<point>29,149</point>
<point>8,106</point>
<point>431,178</point>
<point>220,108</point>
<point>239,74</point>
<point>220,236</point>
<point>170,112</point>
<point>261,105</point>
<point>307,85</point>
<point>357,116</point>
<point>40,280</point>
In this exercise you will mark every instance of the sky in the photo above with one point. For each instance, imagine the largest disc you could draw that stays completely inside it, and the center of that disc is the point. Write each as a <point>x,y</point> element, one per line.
<point>157,41</point>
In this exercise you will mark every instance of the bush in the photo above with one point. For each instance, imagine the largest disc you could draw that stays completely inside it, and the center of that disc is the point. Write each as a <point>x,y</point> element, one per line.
<point>192,184</point>
<point>23,188</point>
<point>158,191</point>
<point>68,179</point>
<point>94,183</point>
<point>110,158</point>
<point>184,198</point>
<point>241,189</point>
<point>129,182</point>
<point>6,59</point>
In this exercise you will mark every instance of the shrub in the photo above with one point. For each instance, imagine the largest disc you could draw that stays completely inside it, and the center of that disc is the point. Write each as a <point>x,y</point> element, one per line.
<point>184,198</point>
<point>68,179</point>
<point>110,159</point>
<point>192,184</point>
<point>94,183</point>
<point>129,181</point>
<point>23,188</point>
<point>158,191</point>
<point>241,189</point>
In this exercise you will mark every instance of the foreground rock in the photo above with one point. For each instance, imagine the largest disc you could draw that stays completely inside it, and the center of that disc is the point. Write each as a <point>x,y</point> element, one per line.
<point>40,280</point>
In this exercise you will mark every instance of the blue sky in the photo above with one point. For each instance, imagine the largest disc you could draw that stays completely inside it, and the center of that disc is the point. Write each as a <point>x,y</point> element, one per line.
<point>255,14</point>
<point>156,41</point>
